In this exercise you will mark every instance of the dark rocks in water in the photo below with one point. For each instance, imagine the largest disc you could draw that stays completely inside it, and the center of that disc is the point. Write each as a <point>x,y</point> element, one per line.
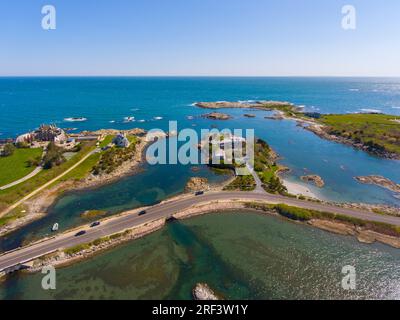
<point>249,115</point>
<point>217,116</point>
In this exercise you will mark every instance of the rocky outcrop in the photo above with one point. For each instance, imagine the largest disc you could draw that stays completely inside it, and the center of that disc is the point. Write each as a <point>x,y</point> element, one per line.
<point>317,180</point>
<point>379,181</point>
<point>197,184</point>
<point>264,104</point>
<point>203,292</point>
<point>217,116</point>
<point>249,115</point>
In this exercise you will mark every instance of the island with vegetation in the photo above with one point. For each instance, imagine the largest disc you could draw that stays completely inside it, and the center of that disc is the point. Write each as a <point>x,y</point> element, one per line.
<point>375,133</point>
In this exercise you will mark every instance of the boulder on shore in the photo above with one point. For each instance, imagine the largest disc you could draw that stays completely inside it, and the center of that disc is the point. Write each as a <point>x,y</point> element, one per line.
<point>317,180</point>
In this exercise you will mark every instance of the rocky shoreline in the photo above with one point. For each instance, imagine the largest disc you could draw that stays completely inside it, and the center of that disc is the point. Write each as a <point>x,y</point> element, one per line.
<point>36,207</point>
<point>320,131</point>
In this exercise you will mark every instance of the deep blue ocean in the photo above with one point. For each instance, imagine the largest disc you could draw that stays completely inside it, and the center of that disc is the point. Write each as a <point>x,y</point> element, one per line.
<point>25,103</point>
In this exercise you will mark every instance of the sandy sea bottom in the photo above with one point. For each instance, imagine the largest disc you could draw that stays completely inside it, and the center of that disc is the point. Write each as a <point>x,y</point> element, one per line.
<point>239,254</point>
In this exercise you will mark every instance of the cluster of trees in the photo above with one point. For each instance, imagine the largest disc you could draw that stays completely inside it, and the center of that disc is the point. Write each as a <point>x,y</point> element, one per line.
<point>112,158</point>
<point>8,150</point>
<point>265,166</point>
<point>53,156</point>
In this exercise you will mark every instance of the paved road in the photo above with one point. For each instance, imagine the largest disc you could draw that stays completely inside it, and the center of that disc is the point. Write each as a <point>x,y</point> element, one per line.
<point>28,176</point>
<point>165,210</point>
<point>18,203</point>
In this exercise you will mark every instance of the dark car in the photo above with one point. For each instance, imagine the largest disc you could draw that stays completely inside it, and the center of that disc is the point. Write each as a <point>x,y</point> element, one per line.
<point>142,212</point>
<point>199,193</point>
<point>95,224</point>
<point>80,233</point>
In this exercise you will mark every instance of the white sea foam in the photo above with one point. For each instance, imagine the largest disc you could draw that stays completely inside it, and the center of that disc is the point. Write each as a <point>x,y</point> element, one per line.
<point>354,89</point>
<point>75,119</point>
<point>370,110</point>
<point>157,118</point>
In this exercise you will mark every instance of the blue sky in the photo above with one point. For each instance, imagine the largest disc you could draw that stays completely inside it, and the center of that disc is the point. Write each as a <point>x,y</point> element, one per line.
<point>200,37</point>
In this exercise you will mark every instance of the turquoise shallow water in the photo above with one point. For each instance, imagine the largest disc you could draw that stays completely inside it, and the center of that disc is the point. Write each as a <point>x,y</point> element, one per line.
<point>241,255</point>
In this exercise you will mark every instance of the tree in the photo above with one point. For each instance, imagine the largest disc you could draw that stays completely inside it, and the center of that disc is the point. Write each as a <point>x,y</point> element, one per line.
<point>8,150</point>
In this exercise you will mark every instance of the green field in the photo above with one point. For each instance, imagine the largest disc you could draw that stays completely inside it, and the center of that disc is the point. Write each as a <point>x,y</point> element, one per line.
<point>379,132</point>
<point>13,194</point>
<point>16,166</point>
<point>106,141</point>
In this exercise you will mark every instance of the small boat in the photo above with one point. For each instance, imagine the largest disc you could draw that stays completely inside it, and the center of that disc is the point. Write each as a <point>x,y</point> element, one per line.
<point>54,227</point>
<point>129,119</point>
<point>158,118</point>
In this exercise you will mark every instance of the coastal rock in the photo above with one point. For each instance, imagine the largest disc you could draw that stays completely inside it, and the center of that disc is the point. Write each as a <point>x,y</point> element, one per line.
<point>317,180</point>
<point>332,226</point>
<point>203,292</point>
<point>249,115</point>
<point>264,104</point>
<point>196,184</point>
<point>379,181</point>
<point>217,116</point>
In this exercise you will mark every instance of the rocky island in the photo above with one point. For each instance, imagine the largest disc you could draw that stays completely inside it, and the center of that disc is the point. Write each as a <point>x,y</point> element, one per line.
<point>317,180</point>
<point>197,184</point>
<point>217,116</point>
<point>379,181</point>
<point>203,292</point>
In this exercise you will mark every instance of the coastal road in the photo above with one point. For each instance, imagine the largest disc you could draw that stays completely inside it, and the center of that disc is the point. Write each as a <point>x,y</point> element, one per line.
<point>166,210</point>
<point>18,203</point>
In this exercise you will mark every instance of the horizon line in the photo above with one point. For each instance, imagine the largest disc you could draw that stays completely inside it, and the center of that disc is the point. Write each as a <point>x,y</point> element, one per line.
<point>197,76</point>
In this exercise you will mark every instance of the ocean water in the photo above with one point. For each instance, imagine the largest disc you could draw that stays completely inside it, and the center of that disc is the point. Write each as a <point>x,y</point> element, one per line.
<point>25,103</point>
<point>241,255</point>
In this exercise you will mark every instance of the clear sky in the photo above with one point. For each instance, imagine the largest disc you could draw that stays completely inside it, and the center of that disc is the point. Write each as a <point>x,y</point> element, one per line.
<point>200,37</point>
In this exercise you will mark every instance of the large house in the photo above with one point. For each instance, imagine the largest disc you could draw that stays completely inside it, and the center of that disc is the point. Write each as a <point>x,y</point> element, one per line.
<point>121,141</point>
<point>45,133</point>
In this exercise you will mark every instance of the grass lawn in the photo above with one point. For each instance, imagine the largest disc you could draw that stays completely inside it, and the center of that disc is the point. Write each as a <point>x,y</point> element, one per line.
<point>107,140</point>
<point>15,166</point>
<point>83,169</point>
<point>376,130</point>
<point>13,194</point>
